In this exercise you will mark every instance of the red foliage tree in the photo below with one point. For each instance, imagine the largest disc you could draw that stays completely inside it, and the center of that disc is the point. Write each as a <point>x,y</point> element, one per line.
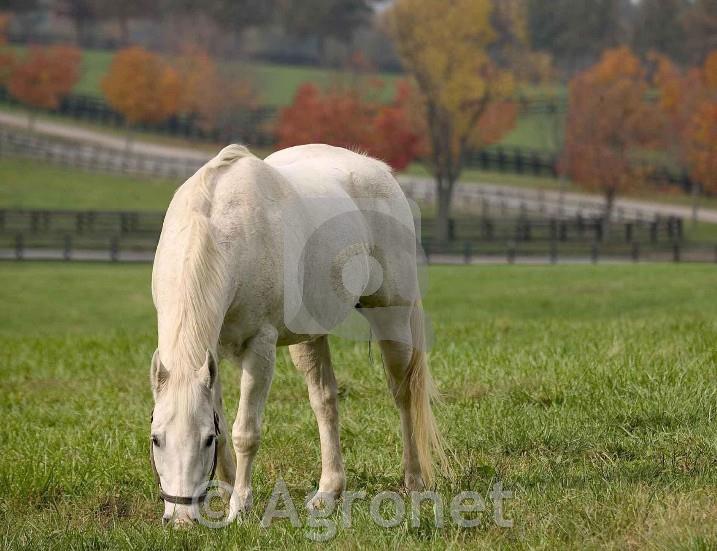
<point>346,119</point>
<point>45,76</point>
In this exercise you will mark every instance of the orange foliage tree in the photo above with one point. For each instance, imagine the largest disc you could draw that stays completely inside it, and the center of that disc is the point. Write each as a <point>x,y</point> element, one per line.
<point>347,119</point>
<point>214,99</point>
<point>142,87</point>
<point>44,76</point>
<point>702,151</point>
<point>688,103</point>
<point>609,120</point>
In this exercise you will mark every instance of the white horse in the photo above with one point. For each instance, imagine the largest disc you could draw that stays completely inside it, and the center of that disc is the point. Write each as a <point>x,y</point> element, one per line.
<point>258,254</point>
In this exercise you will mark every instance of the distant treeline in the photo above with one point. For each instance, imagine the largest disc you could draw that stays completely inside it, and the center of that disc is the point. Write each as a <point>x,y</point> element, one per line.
<point>329,32</point>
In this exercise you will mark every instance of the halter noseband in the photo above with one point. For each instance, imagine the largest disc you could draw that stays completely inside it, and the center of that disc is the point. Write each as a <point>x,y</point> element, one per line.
<point>185,500</point>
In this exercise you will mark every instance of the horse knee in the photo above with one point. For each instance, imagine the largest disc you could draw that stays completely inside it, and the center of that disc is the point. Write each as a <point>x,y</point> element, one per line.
<point>246,442</point>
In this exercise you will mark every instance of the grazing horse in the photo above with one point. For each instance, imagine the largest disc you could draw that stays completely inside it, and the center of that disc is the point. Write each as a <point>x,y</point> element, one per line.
<point>256,254</point>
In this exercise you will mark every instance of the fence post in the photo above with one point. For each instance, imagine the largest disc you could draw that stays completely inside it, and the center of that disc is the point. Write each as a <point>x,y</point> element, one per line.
<point>563,230</point>
<point>628,232</point>
<point>467,252</point>
<point>594,252</point>
<point>67,251</point>
<point>114,249</point>
<point>19,247</point>
<point>511,252</point>
<point>553,251</point>
<point>676,251</point>
<point>636,251</point>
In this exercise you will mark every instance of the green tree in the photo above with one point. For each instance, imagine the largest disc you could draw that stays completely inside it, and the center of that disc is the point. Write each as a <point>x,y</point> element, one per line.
<point>701,29</point>
<point>324,19</point>
<point>231,15</point>
<point>575,32</point>
<point>123,11</point>
<point>658,27</point>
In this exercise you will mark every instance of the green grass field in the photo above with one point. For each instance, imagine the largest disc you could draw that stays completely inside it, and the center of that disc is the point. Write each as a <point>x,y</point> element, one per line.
<point>588,391</point>
<point>28,184</point>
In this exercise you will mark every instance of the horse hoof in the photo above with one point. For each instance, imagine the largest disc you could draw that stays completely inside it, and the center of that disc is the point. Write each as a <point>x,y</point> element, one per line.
<point>322,500</point>
<point>239,505</point>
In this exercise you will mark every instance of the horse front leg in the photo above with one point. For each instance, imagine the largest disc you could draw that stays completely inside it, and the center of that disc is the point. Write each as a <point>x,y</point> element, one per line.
<point>257,364</point>
<point>226,465</point>
<point>313,359</point>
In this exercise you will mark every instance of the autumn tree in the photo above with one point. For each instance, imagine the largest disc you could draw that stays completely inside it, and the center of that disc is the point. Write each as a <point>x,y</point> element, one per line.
<point>344,118</point>
<point>702,150</point>
<point>465,96</point>
<point>142,87</point>
<point>212,98</point>
<point>687,99</point>
<point>609,121</point>
<point>43,77</point>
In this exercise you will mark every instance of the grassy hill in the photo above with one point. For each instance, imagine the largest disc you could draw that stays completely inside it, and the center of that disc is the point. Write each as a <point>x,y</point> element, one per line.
<point>276,85</point>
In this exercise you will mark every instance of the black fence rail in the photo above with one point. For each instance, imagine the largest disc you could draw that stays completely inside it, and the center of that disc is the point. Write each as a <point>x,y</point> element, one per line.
<point>37,222</point>
<point>132,236</point>
<point>577,229</point>
<point>250,126</point>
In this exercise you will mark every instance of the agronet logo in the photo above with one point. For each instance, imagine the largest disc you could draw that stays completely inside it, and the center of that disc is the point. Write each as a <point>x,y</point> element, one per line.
<point>387,509</point>
<point>337,251</point>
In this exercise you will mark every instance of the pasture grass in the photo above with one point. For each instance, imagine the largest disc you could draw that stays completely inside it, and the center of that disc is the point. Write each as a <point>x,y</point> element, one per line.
<point>35,185</point>
<point>586,390</point>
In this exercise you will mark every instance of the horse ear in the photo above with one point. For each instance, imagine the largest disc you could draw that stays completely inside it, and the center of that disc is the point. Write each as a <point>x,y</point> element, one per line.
<point>158,374</point>
<point>208,371</point>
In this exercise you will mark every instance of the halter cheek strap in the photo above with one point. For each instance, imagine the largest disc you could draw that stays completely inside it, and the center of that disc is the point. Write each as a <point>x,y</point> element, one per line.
<point>185,500</point>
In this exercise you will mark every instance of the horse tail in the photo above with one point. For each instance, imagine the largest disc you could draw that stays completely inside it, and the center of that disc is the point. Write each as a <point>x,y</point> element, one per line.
<point>429,442</point>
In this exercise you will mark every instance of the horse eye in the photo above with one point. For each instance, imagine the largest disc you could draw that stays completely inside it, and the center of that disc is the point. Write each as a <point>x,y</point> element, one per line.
<point>155,440</point>
<point>210,441</point>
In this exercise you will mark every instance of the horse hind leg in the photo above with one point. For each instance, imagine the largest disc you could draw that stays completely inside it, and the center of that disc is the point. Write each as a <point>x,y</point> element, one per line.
<point>313,359</point>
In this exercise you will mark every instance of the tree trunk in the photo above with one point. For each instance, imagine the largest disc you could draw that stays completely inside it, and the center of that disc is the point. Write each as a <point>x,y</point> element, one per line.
<point>31,117</point>
<point>609,207</point>
<point>444,195</point>
<point>695,189</point>
<point>128,139</point>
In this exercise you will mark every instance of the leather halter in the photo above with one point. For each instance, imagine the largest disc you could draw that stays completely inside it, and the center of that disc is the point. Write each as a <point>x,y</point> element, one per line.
<point>185,500</point>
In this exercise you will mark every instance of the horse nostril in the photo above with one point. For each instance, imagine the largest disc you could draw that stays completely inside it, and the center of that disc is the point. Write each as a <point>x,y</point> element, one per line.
<point>165,520</point>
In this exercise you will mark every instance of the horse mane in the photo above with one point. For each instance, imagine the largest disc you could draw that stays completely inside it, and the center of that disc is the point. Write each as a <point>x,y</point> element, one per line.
<point>203,275</point>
